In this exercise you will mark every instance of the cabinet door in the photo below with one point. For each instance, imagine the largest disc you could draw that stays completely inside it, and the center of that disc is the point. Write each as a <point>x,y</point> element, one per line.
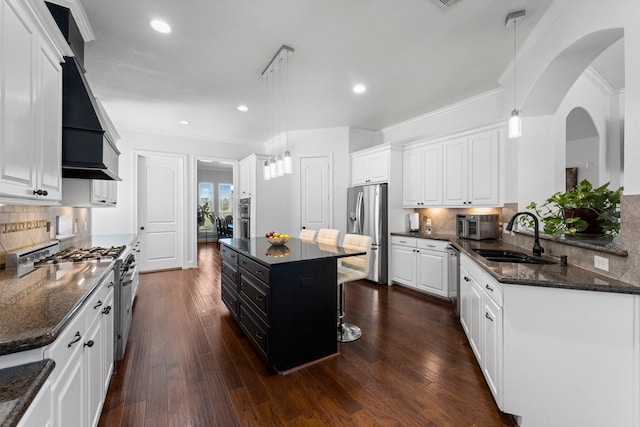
<point>455,172</point>
<point>359,170</point>
<point>39,412</point>
<point>69,402</point>
<point>245,179</point>
<point>107,341</point>
<point>379,167</point>
<point>18,151</point>
<point>411,178</point>
<point>484,169</point>
<point>432,272</point>
<point>465,299</point>
<point>403,265</point>
<point>476,314</point>
<point>99,192</point>
<point>431,180</point>
<point>492,348</point>
<point>93,362</point>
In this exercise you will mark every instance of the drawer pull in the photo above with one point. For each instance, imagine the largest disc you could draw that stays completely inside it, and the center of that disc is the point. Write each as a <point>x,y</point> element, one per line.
<point>466,279</point>
<point>89,344</point>
<point>487,316</point>
<point>243,262</point>
<point>106,310</point>
<point>98,304</point>
<point>431,246</point>
<point>259,272</point>
<point>259,298</point>
<point>402,241</point>
<point>259,336</point>
<point>489,288</point>
<point>76,337</point>
<point>110,285</point>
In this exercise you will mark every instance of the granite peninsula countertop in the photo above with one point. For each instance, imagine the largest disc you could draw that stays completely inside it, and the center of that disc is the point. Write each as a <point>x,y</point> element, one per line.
<point>551,276</point>
<point>19,385</point>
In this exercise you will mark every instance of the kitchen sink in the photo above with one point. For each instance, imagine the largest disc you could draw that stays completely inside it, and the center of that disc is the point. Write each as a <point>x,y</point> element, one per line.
<point>498,255</point>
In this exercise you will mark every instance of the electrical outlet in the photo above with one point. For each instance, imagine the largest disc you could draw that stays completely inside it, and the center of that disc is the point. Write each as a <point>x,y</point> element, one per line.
<point>428,223</point>
<point>601,263</point>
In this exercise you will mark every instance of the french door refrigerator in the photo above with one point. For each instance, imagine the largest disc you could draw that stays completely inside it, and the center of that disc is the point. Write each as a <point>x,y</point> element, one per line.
<point>367,215</point>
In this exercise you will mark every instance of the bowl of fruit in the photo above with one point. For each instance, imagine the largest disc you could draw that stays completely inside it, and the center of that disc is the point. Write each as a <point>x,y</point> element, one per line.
<point>277,239</point>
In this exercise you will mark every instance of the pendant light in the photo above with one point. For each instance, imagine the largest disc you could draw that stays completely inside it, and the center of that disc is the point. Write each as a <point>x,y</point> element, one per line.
<point>515,122</point>
<point>277,106</point>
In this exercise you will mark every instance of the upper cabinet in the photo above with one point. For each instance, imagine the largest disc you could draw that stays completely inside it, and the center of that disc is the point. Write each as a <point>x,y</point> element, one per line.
<point>370,166</point>
<point>30,105</point>
<point>31,51</point>
<point>89,193</point>
<point>458,171</point>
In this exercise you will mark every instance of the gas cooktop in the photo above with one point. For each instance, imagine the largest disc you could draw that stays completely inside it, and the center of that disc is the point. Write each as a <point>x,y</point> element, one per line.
<point>82,255</point>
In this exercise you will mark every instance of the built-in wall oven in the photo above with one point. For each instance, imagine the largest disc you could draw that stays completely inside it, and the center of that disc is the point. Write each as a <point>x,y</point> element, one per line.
<point>244,219</point>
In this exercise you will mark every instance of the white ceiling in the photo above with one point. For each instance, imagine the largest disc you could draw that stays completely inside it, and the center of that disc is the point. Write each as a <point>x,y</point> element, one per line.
<point>414,56</point>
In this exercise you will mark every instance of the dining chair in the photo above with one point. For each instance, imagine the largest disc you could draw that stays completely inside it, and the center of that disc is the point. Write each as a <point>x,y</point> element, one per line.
<point>307,235</point>
<point>349,269</point>
<point>328,235</point>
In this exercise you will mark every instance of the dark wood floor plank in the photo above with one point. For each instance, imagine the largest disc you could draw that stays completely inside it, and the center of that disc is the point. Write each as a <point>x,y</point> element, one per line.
<point>188,364</point>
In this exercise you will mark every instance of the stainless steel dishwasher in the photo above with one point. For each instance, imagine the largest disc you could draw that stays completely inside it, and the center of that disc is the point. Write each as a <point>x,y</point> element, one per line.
<point>453,265</point>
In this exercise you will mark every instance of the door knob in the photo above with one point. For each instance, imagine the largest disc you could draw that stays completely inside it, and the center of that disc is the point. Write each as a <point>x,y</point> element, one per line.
<point>141,228</point>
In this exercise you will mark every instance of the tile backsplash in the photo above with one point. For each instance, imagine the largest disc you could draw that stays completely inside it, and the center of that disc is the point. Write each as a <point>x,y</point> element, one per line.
<point>25,226</point>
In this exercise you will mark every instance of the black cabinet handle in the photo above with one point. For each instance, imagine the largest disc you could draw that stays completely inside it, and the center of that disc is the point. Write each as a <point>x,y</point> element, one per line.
<point>98,304</point>
<point>76,338</point>
<point>141,228</point>
<point>466,279</point>
<point>106,310</point>
<point>487,316</point>
<point>40,192</point>
<point>489,288</point>
<point>89,344</point>
<point>110,285</point>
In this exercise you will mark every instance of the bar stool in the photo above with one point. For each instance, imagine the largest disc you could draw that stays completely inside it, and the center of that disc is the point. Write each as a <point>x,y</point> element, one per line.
<point>352,268</point>
<point>307,235</point>
<point>328,236</point>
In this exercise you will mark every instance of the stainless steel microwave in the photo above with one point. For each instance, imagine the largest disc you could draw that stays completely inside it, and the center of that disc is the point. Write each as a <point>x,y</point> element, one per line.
<point>477,227</point>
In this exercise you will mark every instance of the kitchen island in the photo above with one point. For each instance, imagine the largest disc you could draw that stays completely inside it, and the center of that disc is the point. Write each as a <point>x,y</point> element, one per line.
<point>283,297</point>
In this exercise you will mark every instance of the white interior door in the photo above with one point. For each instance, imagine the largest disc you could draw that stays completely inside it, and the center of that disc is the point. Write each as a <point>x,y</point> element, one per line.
<point>315,192</point>
<point>160,212</point>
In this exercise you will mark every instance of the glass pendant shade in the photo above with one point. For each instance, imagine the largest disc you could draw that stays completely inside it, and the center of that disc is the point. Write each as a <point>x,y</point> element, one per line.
<point>288,164</point>
<point>267,171</point>
<point>273,167</point>
<point>280,165</point>
<point>515,125</point>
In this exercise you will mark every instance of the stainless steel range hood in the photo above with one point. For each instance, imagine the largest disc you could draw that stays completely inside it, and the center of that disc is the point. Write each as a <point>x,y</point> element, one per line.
<point>88,148</point>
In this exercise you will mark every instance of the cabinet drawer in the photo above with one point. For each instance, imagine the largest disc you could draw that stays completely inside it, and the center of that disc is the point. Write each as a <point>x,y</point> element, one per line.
<point>230,298</point>
<point>96,302</point>
<point>255,329</point>
<point>257,292</point>
<point>404,241</point>
<point>259,271</point>
<point>229,255</point>
<point>492,288</point>
<point>66,344</point>
<point>434,245</point>
<point>230,273</point>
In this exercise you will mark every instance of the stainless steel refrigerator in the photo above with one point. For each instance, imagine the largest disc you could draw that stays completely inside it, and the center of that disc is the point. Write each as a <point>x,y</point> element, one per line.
<point>367,215</point>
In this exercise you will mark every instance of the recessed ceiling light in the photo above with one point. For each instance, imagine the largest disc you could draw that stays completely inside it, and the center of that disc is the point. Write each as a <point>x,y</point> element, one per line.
<point>160,26</point>
<point>359,88</point>
<point>243,108</point>
<point>183,122</point>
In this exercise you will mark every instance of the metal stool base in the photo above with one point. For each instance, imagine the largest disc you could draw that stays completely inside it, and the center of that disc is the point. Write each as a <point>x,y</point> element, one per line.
<point>348,332</point>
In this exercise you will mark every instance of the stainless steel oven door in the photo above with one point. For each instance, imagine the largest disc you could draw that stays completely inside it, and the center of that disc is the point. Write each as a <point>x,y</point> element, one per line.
<point>244,228</point>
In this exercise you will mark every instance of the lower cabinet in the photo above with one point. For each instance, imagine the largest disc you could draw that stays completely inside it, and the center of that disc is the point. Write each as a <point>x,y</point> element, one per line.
<point>39,412</point>
<point>482,321</point>
<point>83,354</point>
<point>421,264</point>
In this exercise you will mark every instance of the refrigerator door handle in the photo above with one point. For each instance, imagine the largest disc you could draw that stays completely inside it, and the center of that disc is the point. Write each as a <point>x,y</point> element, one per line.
<point>376,212</point>
<point>359,212</point>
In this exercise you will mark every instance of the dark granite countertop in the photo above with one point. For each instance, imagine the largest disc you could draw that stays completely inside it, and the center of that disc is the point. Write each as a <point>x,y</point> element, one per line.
<point>552,276</point>
<point>19,385</point>
<point>295,250</point>
<point>35,307</point>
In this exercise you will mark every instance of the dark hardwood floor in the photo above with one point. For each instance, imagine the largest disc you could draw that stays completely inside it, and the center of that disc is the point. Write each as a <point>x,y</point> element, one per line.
<point>188,364</point>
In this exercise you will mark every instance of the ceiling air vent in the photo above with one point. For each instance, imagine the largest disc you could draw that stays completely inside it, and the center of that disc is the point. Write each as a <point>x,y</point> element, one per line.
<point>446,4</point>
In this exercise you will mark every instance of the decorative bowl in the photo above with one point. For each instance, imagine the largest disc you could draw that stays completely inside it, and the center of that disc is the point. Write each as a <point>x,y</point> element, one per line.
<point>278,241</point>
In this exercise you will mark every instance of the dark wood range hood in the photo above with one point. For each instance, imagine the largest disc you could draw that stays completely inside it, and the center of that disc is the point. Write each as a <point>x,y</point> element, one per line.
<point>88,151</point>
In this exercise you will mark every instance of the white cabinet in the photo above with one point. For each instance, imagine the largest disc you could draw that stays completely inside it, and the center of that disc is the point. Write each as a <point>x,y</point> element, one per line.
<point>248,172</point>
<point>30,108</point>
<point>482,321</point>
<point>422,176</point>
<point>370,166</point>
<point>471,170</point>
<point>89,193</point>
<point>39,412</point>
<point>420,264</point>
<point>84,361</point>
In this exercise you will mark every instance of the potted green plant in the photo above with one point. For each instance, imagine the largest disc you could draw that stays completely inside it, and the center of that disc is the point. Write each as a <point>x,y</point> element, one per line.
<point>582,211</point>
<point>204,212</point>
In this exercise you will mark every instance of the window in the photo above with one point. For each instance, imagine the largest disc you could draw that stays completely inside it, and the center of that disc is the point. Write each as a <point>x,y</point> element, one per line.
<point>205,206</point>
<point>225,195</point>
